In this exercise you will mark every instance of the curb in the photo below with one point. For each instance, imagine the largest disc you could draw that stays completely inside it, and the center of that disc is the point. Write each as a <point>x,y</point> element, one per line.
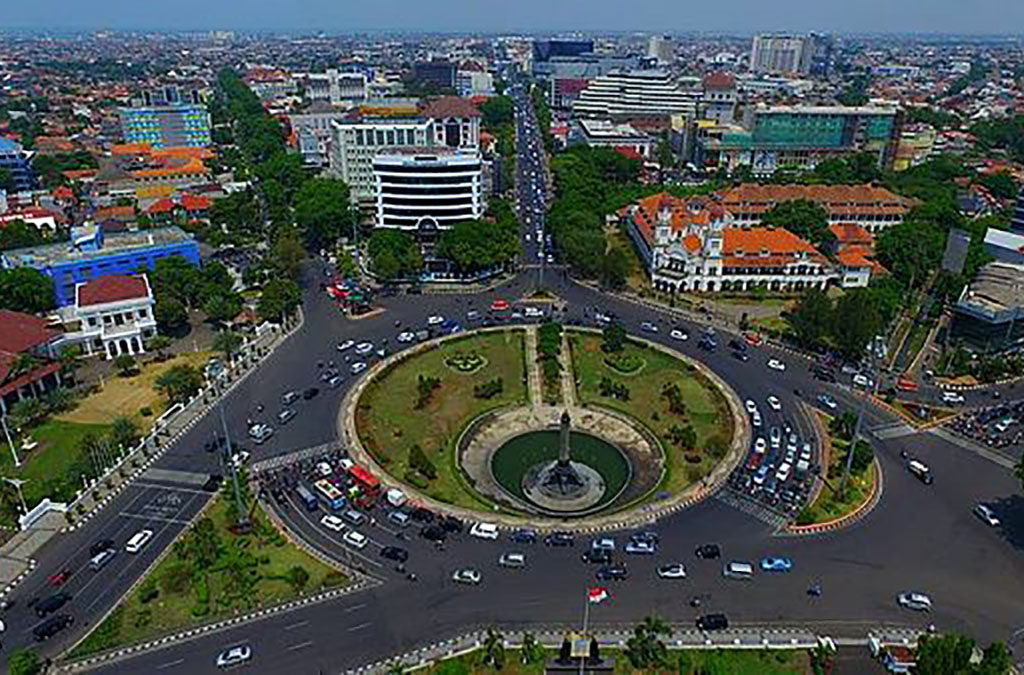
<point>849,519</point>
<point>32,563</point>
<point>945,386</point>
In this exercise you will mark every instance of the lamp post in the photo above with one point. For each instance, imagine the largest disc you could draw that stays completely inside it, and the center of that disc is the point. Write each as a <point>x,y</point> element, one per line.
<point>243,514</point>
<point>17,483</point>
<point>7,433</point>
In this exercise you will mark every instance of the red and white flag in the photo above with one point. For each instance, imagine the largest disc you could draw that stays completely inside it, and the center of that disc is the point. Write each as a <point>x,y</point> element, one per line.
<point>598,594</point>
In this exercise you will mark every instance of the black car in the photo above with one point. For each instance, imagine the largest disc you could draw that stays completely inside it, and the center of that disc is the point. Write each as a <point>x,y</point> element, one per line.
<point>310,393</point>
<point>100,546</point>
<point>212,483</point>
<point>421,515</point>
<point>52,626</point>
<point>452,524</point>
<point>741,356</point>
<point>738,345</point>
<point>396,553</point>
<point>51,604</point>
<point>712,622</point>
<point>434,533</point>
<point>560,539</point>
<point>824,374</point>
<point>597,556</point>
<point>612,573</point>
<point>708,551</point>
<point>524,536</point>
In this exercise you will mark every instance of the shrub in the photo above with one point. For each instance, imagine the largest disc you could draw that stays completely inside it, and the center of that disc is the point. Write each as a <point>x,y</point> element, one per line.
<point>298,577</point>
<point>717,447</point>
<point>147,591</point>
<point>489,389</point>
<point>612,389</point>
<point>425,389</point>
<point>334,578</point>
<point>692,458</point>
<point>419,461</point>
<point>143,618</point>
<point>671,393</point>
<point>146,411</point>
<point>416,479</point>
<point>177,579</point>
<point>624,362</point>
<point>805,517</point>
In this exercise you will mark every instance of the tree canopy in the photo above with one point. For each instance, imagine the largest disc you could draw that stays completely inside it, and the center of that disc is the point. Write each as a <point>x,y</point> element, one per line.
<point>19,234</point>
<point>394,254</point>
<point>322,211</point>
<point>804,218</point>
<point>24,289</point>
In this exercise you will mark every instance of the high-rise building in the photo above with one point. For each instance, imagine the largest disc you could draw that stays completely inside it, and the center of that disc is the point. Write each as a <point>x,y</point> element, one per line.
<point>781,54</point>
<point>167,118</point>
<point>545,50</point>
<point>18,165</point>
<point>634,93</point>
<point>428,189</point>
<point>720,97</point>
<point>822,54</point>
<point>661,48</point>
<point>436,73</point>
<point>1017,223</point>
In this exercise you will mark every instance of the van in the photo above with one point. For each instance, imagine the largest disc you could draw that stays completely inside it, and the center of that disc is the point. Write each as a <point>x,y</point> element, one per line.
<point>138,540</point>
<point>51,604</point>
<point>100,560</point>
<point>738,570</point>
<point>399,518</point>
<point>52,626</point>
<point>354,517</point>
<point>922,472</point>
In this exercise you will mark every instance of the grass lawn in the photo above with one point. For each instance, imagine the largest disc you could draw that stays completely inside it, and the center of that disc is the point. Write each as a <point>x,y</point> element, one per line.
<point>706,408</point>
<point>828,506</point>
<point>128,395</point>
<point>263,558</point>
<point>636,278</point>
<point>684,662</point>
<point>389,424</point>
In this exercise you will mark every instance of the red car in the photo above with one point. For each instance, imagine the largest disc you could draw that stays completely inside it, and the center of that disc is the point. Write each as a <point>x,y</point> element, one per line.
<point>499,305</point>
<point>59,578</point>
<point>753,339</point>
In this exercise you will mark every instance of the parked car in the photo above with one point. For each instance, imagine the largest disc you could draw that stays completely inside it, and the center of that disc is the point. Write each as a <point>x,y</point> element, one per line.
<point>512,560</point>
<point>708,551</point>
<point>466,575</point>
<point>672,571</point>
<point>775,364</point>
<point>524,536</point>
<point>234,656</point>
<point>914,600</point>
<point>986,514</point>
<point>775,564</point>
<point>712,622</point>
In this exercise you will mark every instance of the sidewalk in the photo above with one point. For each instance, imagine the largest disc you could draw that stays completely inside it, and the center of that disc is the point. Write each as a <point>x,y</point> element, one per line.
<point>535,388</point>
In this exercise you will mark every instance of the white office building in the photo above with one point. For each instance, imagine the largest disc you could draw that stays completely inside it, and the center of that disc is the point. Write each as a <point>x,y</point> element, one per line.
<point>661,48</point>
<point>634,93</point>
<point>334,87</point>
<point>781,54</point>
<point>428,189</point>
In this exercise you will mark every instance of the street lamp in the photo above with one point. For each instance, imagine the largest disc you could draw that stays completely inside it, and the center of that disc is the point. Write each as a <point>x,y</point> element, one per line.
<point>17,483</point>
<point>7,433</point>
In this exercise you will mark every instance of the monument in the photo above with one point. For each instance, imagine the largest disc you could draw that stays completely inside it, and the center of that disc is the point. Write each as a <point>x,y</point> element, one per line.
<point>563,485</point>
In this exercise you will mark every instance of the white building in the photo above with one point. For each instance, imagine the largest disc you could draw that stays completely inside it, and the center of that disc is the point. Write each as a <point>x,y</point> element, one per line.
<point>662,48</point>
<point>334,87</point>
<point>428,189</point>
<point>781,54</point>
<point>114,316</point>
<point>606,134</point>
<point>630,93</point>
<point>312,127</point>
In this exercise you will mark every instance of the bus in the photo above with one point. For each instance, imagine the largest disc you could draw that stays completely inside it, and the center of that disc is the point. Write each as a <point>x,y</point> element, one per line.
<point>307,497</point>
<point>330,495</point>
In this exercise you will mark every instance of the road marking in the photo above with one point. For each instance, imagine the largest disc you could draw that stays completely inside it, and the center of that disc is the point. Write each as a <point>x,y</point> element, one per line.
<point>354,607</point>
<point>140,516</point>
<point>359,627</point>
<point>170,664</point>
<point>301,645</point>
<point>296,625</point>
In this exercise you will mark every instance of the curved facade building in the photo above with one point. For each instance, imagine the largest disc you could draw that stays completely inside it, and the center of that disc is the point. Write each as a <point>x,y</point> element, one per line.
<point>426,190</point>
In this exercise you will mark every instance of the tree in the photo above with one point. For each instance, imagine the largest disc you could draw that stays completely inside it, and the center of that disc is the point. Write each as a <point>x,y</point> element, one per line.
<point>863,455</point>
<point>19,234</point>
<point>223,307</point>
<point>943,654</point>
<point>279,298</point>
<point>494,649</point>
<point>997,660</point>
<point>159,344</point>
<point>1000,184</point>
<point>124,431</point>
<point>170,314</point>
<point>613,337</point>
<point>27,412</point>
<point>125,364</point>
<point>614,268</point>
<point>24,662</point>
<point>175,277</point>
<point>646,649</point>
<point>322,212</point>
<point>811,318</point>
<point>180,383</point>
<point>804,218</point>
<point>228,343</point>
<point>479,244</point>
<point>287,254</point>
<point>419,461</point>
<point>298,577</point>
<point>24,289</point>
<point>532,651</point>
<point>6,180</point>
<point>857,322</point>
<point>394,255</point>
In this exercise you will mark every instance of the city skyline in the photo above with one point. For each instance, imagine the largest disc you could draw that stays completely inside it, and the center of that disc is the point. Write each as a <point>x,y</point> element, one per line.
<point>984,17</point>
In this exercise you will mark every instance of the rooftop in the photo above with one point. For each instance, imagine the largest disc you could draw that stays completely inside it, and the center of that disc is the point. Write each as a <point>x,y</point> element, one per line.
<point>21,332</point>
<point>999,287</point>
<point>450,106</point>
<point>112,288</point>
<point>51,254</point>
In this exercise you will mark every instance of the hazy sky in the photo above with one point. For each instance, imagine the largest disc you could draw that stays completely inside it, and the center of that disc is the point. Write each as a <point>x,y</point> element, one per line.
<point>960,16</point>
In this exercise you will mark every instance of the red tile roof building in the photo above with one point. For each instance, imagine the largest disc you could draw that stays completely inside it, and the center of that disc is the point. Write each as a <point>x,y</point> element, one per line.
<point>22,336</point>
<point>112,315</point>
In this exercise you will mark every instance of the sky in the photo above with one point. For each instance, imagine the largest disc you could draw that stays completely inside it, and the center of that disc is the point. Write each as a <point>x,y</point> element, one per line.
<point>339,16</point>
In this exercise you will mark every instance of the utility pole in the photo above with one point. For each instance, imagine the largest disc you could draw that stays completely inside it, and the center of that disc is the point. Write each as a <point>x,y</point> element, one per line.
<point>243,515</point>
<point>17,483</point>
<point>7,433</point>
<point>860,418</point>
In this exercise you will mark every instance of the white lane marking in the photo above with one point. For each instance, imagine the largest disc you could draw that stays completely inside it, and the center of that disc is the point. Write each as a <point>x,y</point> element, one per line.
<point>301,645</point>
<point>359,627</point>
<point>170,664</point>
<point>296,625</point>
<point>354,607</point>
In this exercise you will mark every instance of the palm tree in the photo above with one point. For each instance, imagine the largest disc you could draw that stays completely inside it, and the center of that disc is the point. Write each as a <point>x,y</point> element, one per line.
<point>228,343</point>
<point>27,411</point>
<point>494,648</point>
<point>646,648</point>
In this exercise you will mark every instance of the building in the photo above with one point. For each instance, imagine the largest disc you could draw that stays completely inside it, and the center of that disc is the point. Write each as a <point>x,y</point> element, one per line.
<point>564,91</point>
<point>635,93</point>
<point>1017,222</point>
<point>692,245</point>
<point>435,73</point>
<point>989,315</point>
<point>661,48</point>
<point>854,254</point>
<point>545,50</point>
<point>111,315</point>
<point>90,255</point>
<point>801,137</point>
<point>1005,246</point>
<point>184,124</point>
<point>870,207</point>
<point>781,54</point>
<point>720,97</point>
<point>380,129</point>
<point>18,163</point>
<point>28,358</point>
<point>607,134</point>
<point>312,129</point>
<point>428,189</point>
<point>472,80</point>
<point>334,87</point>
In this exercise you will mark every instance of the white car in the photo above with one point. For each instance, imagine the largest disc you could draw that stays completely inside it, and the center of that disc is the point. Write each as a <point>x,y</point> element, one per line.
<point>755,419</point>
<point>775,364</point>
<point>332,523</point>
<point>355,539</point>
<point>240,458</point>
<point>774,403</point>
<point>435,320</point>
<point>347,344</point>
<point>357,367</point>
<point>677,334</point>
<point>914,600</point>
<point>466,575</point>
<point>533,312</point>
<point>234,656</point>
<point>603,544</point>
<point>986,514</point>
<point>862,380</point>
<point>782,475</point>
<point>760,445</point>
<point>672,571</point>
<point>484,531</point>
<point>364,348</point>
<point>406,336</point>
<point>750,406</point>
<point>952,397</point>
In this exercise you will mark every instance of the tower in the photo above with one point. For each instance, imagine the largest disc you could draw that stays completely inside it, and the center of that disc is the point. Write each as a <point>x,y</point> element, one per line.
<point>563,439</point>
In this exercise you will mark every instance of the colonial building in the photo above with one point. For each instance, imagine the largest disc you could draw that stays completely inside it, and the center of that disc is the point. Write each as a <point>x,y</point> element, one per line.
<point>112,315</point>
<point>28,358</point>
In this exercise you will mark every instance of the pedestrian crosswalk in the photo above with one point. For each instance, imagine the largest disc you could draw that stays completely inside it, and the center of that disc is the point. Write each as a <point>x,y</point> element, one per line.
<point>892,430</point>
<point>743,503</point>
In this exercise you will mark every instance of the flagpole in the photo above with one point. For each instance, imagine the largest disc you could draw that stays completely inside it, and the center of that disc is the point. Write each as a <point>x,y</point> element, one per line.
<point>586,617</point>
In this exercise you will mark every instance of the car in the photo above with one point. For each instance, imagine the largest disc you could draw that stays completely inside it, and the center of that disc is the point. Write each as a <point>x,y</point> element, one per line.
<point>672,571</point>
<point>234,656</point>
<point>100,546</point>
<point>499,305</point>
<point>921,470</point>
<point>828,401</point>
<point>648,327</point>
<point>774,403</point>
<point>512,560</point>
<point>452,524</point>
<point>242,456</point>
<point>396,553</point>
<point>862,380</point>
<point>487,531</point>
<point>357,367</point>
<point>533,312</point>
<point>679,335</point>
<point>612,573</point>
<point>310,393</point>
<point>712,622</point>
<point>952,397</point>
<point>364,348</point>
<point>602,544</point>
<point>986,514</point>
<point>332,523</point>
<point>52,626</point>
<point>776,437</point>
<point>355,539</point>
<point>824,374</point>
<point>334,382</point>
<point>750,406</point>
<point>434,533</point>
<point>755,418</point>
<point>51,604</point>
<point>708,551</point>
<point>775,364</point>
<point>347,344</point>
<point>524,536</point>
<point>560,539</point>
<point>782,475</point>
<point>598,556</point>
<point>466,575</point>
<point>59,578</point>
<point>915,600</point>
<point>406,336</point>
<point>285,415</point>
<point>641,547</point>
<point>289,397</point>
<point>776,564</point>
<point>741,356</point>
<point>760,445</point>
<point>648,536</point>
<point>435,320</point>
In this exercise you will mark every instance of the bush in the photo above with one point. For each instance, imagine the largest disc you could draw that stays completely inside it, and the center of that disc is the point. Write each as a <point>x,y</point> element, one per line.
<point>334,578</point>
<point>298,577</point>
<point>624,362</point>
<point>612,389</point>
<point>416,479</point>
<point>143,618</point>
<point>146,411</point>
<point>692,458</point>
<point>147,591</point>
<point>419,461</point>
<point>177,579</point>
<point>717,447</point>
<point>489,389</point>
<point>805,517</point>
<point>425,389</point>
<point>674,396</point>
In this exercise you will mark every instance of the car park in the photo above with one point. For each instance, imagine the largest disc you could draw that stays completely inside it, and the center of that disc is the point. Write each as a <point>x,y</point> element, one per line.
<point>234,656</point>
<point>915,600</point>
<point>332,523</point>
<point>775,364</point>
<point>986,514</point>
<point>776,564</point>
<point>466,575</point>
<point>512,560</point>
<point>355,539</point>
<point>672,571</point>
